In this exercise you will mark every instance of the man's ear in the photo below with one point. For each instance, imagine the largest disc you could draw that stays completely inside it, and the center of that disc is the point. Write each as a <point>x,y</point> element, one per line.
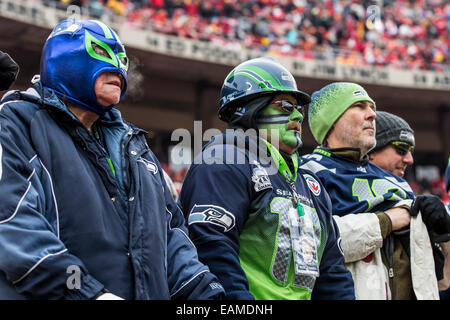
<point>325,140</point>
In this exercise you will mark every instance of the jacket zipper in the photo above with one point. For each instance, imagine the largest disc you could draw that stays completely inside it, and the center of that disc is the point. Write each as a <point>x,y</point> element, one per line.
<point>390,260</point>
<point>125,140</point>
<point>96,154</point>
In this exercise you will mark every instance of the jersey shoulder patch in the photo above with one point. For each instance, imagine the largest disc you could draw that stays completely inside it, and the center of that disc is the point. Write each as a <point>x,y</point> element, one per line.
<point>208,213</point>
<point>313,184</point>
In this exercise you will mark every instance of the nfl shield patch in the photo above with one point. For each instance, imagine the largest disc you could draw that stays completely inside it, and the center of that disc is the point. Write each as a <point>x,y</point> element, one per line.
<point>313,185</point>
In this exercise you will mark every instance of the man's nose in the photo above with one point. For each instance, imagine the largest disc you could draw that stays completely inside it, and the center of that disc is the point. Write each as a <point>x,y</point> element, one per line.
<point>296,116</point>
<point>408,158</point>
<point>370,114</point>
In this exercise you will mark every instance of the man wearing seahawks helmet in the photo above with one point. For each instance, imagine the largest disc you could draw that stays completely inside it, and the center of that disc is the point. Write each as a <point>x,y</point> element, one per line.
<point>260,223</point>
<point>84,209</point>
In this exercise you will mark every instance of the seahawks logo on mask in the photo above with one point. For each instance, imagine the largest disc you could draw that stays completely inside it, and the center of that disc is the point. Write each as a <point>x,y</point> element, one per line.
<point>212,214</point>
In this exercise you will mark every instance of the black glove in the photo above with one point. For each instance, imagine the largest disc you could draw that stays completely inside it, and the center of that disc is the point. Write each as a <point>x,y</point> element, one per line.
<point>434,215</point>
<point>8,71</point>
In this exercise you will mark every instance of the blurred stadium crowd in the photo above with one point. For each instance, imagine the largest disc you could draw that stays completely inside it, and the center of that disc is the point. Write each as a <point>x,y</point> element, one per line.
<point>406,34</point>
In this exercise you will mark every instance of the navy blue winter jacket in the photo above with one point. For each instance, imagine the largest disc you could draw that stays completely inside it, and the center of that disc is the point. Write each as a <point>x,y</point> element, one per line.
<point>77,217</point>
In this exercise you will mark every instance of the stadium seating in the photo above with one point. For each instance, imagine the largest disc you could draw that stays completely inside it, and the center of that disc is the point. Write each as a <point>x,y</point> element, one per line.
<point>406,34</point>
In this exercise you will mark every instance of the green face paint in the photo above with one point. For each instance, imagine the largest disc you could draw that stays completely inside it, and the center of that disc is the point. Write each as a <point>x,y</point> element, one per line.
<point>273,119</point>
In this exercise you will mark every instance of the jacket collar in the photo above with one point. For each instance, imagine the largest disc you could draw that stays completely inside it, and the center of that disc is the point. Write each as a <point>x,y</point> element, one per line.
<point>353,154</point>
<point>44,96</point>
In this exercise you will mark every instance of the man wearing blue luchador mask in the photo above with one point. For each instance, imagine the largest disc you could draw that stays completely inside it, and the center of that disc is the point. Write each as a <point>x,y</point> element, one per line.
<point>85,212</point>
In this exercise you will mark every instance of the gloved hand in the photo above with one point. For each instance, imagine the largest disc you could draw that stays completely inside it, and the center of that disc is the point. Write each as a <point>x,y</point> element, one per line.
<point>8,71</point>
<point>434,215</point>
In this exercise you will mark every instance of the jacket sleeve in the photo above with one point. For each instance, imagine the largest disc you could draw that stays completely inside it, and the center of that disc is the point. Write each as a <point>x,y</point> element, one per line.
<point>33,259</point>
<point>220,190</point>
<point>360,234</point>
<point>444,284</point>
<point>188,278</point>
<point>335,281</point>
<point>363,233</point>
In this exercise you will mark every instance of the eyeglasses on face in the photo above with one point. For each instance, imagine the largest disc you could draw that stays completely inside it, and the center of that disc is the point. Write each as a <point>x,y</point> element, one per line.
<point>288,106</point>
<point>402,148</point>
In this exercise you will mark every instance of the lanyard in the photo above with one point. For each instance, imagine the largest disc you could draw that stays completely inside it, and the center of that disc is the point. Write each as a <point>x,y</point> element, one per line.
<point>283,168</point>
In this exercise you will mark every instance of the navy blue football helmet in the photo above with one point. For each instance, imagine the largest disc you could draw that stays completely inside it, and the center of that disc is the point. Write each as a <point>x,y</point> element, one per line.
<point>254,78</point>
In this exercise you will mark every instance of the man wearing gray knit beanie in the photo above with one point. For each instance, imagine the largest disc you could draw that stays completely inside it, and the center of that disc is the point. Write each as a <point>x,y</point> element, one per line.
<point>395,142</point>
<point>393,152</point>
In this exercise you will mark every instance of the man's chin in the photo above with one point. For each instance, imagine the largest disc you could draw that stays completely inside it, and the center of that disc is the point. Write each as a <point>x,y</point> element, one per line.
<point>399,172</point>
<point>293,144</point>
<point>368,145</point>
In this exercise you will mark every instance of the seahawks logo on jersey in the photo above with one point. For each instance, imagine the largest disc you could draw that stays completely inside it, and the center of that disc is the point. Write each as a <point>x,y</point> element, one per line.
<point>212,214</point>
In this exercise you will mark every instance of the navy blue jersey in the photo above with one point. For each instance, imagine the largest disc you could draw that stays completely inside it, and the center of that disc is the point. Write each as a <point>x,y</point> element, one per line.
<point>241,219</point>
<point>356,187</point>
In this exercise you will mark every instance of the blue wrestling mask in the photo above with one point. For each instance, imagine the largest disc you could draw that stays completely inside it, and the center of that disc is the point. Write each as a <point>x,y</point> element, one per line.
<point>75,54</point>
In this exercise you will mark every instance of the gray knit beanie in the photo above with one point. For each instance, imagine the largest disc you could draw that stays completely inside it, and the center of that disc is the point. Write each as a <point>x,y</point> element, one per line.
<point>390,127</point>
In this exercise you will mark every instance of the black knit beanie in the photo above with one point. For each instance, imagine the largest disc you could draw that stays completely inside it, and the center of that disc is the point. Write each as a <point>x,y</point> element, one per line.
<point>390,128</point>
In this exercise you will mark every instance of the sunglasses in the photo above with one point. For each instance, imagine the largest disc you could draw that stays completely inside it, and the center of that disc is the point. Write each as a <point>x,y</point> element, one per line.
<point>402,148</point>
<point>288,106</point>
